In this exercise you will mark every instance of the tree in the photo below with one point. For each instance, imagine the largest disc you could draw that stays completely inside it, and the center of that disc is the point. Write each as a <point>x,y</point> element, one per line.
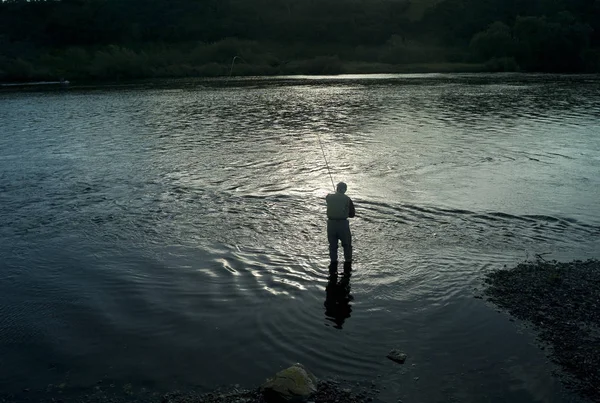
<point>495,42</point>
<point>552,45</point>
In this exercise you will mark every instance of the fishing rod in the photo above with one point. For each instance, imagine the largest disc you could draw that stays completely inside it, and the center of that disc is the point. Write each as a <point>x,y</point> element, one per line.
<point>325,158</point>
<point>232,63</point>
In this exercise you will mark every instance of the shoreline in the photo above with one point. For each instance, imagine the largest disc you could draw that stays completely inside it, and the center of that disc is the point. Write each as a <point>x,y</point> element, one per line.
<point>561,301</point>
<point>24,86</point>
<point>222,72</point>
<point>328,391</point>
<point>297,68</point>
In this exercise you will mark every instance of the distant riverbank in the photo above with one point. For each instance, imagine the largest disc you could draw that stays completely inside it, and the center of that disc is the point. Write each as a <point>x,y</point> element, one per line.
<point>235,57</point>
<point>316,66</point>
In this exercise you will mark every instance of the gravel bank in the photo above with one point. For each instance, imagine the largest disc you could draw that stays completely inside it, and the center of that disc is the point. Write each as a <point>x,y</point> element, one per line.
<point>562,301</point>
<point>328,391</point>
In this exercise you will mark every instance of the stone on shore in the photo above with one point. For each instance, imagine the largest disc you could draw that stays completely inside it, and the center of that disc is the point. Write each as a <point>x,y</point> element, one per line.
<point>291,385</point>
<point>397,356</point>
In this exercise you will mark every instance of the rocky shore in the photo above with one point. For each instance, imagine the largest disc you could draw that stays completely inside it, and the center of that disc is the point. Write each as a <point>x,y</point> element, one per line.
<point>562,302</point>
<point>327,392</point>
<point>291,385</point>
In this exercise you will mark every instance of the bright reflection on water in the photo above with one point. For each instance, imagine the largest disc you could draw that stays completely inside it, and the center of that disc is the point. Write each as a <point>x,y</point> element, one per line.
<point>173,235</point>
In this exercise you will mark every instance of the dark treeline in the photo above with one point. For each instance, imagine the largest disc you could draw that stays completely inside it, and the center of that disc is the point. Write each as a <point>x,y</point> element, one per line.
<point>114,39</point>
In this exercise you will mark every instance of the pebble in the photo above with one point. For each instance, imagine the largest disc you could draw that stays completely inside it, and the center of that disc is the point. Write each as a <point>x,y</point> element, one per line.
<point>327,392</point>
<point>397,356</point>
<point>547,294</point>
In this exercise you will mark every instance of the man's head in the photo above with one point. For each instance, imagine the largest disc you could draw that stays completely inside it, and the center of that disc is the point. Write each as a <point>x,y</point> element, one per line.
<point>341,187</point>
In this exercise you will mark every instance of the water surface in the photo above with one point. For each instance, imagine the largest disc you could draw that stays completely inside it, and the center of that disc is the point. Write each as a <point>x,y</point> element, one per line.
<point>171,235</point>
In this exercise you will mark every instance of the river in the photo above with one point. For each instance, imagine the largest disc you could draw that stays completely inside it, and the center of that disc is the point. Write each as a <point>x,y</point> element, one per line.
<point>171,234</point>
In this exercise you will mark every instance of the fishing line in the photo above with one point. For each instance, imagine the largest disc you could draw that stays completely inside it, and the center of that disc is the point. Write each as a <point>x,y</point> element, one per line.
<point>325,158</point>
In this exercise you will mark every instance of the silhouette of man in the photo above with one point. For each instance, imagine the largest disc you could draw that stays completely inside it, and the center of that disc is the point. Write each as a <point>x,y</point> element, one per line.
<point>339,209</point>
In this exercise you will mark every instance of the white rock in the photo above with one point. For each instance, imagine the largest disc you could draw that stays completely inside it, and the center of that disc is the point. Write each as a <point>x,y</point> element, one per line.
<point>294,384</point>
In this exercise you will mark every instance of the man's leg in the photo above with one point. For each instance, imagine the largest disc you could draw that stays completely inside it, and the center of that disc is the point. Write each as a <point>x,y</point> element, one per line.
<point>332,237</point>
<point>346,237</point>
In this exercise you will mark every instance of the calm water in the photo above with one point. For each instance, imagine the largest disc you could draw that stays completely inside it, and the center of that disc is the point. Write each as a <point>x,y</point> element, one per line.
<point>172,236</point>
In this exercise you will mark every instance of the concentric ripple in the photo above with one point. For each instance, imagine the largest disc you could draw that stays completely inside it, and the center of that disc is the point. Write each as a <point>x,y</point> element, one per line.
<point>170,236</point>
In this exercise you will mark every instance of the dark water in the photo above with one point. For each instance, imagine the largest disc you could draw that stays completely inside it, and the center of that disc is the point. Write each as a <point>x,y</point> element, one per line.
<point>172,236</point>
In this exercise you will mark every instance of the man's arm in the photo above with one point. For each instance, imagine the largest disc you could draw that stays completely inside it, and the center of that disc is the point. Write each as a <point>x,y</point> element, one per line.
<point>351,212</point>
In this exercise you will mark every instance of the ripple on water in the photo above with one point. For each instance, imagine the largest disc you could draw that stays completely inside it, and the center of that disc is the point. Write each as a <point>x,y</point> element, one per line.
<point>189,224</point>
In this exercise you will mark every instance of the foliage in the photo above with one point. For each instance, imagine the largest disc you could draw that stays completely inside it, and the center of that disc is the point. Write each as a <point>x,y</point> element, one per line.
<point>127,39</point>
<point>502,65</point>
<point>495,42</point>
<point>536,43</point>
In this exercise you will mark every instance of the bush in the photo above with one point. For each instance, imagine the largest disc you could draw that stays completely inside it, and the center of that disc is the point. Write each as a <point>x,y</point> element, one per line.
<point>212,70</point>
<point>592,60</point>
<point>19,70</point>
<point>367,54</point>
<point>327,65</point>
<point>495,42</point>
<point>557,45</point>
<point>502,64</point>
<point>254,70</point>
<point>119,63</point>
<point>399,51</point>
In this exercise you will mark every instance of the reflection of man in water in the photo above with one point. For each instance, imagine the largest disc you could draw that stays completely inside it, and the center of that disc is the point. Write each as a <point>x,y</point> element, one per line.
<point>339,209</point>
<point>337,298</point>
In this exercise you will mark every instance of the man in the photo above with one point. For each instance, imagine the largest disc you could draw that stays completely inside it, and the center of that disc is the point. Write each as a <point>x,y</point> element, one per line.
<point>339,209</point>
